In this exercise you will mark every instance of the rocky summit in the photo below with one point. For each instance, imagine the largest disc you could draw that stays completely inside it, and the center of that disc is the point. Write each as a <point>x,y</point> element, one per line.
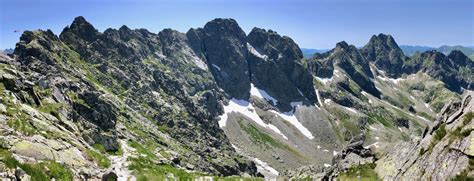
<point>217,103</point>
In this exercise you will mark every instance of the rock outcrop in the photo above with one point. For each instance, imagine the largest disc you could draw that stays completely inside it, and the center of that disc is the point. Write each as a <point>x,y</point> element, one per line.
<point>444,152</point>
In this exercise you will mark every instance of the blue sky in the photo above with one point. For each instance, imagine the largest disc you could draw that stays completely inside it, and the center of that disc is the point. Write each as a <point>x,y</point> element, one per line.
<point>312,24</point>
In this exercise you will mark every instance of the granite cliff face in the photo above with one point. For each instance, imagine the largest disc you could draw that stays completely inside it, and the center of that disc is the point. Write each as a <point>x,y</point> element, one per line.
<point>213,102</point>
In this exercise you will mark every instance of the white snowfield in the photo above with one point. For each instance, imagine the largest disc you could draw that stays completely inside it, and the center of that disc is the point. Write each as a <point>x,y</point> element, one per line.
<point>388,79</point>
<point>245,108</point>
<point>291,118</point>
<point>266,169</point>
<point>255,52</point>
<point>288,116</point>
<point>254,91</point>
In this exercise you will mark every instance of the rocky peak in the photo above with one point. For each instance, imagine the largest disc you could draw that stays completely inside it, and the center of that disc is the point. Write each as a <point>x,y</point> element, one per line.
<point>36,45</point>
<point>384,40</point>
<point>279,58</point>
<point>82,29</point>
<point>125,32</point>
<point>272,43</point>
<point>460,58</point>
<point>385,53</point>
<point>225,27</point>
<point>223,43</point>
<point>342,45</point>
<point>348,58</point>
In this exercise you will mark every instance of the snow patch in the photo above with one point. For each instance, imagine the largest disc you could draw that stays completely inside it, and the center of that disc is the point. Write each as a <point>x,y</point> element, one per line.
<point>291,118</point>
<point>247,109</point>
<point>367,95</point>
<point>319,147</point>
<point>372,128</point>
<point>160,55</point>
<point>296,104</point>
<point>319,98</point>
<point>255,52</point>
<point>334,153</point>
<point>324,80</point>
<point>336,73</point>
<point>327,165</point>
<point>254,91</point>
<point>387,79</point>
<point>217,67</point>
<point>350,109</point>
<point>199,62</point>
<point>326,150</point>
<point>264,167</point>
<point>428,106</point>
<point>327,101</point>
<point>376,145</point>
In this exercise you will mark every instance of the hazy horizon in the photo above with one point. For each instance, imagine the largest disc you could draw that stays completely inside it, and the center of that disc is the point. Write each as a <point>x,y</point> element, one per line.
<point>315,25</point>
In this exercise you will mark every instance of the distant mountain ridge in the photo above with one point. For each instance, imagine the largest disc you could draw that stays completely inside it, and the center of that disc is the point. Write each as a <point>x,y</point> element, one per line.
<point>409,50</point>
<point>309,52</point>
<point>8,50</point>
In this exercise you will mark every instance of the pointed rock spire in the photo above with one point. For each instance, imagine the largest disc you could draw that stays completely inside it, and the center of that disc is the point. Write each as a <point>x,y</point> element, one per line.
<point>82,29</point>
<point>385,53</point>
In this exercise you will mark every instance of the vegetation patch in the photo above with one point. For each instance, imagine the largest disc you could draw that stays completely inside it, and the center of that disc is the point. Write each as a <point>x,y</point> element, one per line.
<point>437,136</point>
<point>22,125</point>
<point>145,169</point>
<point>463,176</point>
<point>40,171</point>
<point>100,159</point>
<point>379,114</point>
<point>51,108</point>
<point>260,138</point>
<point>101,149</point>
<point>426,115</point>
<point>458,133</point>
<point>361,172</point>
<point>440,132</point>
<point>145,166</point>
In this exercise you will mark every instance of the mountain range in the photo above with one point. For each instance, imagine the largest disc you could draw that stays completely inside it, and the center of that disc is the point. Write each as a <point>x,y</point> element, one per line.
<point>408,50</point>
<point>215,102</point>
